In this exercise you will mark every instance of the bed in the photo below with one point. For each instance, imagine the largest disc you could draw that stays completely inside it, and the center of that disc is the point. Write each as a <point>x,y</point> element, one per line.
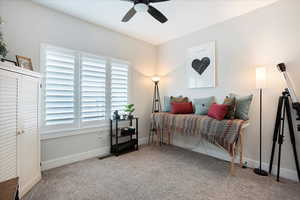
<point>226,134</point>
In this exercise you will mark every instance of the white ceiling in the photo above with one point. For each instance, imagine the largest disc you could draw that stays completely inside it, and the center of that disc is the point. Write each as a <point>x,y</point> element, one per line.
<point>185,16</point>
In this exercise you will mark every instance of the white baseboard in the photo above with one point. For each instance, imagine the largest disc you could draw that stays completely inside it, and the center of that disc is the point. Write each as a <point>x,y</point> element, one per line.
<point>143,140</point>
<point>284,172</point>
<point>26,188</point>
<point>58,162</point>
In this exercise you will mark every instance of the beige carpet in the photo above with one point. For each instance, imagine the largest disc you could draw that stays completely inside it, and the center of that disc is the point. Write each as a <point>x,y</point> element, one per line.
<point>155,173</point>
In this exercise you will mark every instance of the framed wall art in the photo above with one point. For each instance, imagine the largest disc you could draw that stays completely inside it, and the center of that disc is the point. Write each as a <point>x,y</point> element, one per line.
<point>201,66</point>
<point>24,62</point>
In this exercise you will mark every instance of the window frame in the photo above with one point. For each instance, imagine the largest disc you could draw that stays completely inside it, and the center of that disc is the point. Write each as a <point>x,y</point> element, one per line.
<point>78,127</point>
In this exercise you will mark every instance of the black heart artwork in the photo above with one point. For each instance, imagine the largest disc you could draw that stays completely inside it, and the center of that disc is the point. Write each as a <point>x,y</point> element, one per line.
<point>200,65</point>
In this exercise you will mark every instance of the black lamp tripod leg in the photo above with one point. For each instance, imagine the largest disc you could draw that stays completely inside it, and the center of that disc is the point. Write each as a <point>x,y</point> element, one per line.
<point>150,134</point>
<point>280,140</point>
<point>276,132</point>
<point>154,97</point>
<point>292,136</point>
<point>158,99</point>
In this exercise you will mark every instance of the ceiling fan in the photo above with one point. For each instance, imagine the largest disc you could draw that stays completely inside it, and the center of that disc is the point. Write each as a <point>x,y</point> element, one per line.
<point>144,6</point>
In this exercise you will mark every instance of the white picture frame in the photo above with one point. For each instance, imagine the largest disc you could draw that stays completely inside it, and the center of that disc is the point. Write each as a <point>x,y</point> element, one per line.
<point>201,66</point>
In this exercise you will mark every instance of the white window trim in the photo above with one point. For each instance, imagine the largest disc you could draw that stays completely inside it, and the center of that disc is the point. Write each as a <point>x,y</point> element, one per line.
<point>79,128</point>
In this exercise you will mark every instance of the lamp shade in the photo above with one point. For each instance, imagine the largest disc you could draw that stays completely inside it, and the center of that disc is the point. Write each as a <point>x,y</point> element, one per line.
<point>261,77</point>
<point>155,79</point>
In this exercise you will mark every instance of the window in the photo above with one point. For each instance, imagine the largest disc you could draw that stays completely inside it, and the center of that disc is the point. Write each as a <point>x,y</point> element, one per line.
<point>80,90</point>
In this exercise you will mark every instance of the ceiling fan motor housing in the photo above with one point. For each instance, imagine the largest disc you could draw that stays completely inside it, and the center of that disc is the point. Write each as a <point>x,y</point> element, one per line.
<point>141,5</point>
<point>144,6</point>
<point>141,1</point>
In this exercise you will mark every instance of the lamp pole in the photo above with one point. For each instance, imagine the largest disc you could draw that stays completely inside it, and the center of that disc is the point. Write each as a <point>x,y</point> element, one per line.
<point>260,84</point>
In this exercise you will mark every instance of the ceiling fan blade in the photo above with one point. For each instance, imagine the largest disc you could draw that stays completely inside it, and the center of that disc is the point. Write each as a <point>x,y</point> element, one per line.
<point>157,14</point>
<point>157,1</point>
<point>129,15</point>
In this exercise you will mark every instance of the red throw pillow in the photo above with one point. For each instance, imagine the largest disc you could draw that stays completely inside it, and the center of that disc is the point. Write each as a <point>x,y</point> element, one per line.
<point>218,111</point>
<point>182,108</point>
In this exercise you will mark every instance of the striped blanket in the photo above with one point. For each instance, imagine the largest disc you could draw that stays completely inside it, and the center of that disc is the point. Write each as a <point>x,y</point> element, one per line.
<point>222,133</point>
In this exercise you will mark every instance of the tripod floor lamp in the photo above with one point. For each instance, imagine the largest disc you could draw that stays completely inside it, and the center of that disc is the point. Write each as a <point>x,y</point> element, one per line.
<point>260,84</point>
<point>156,106</point>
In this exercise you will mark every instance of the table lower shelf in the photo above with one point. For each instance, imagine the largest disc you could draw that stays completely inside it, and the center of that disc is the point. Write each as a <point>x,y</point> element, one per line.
<point>124,147</point>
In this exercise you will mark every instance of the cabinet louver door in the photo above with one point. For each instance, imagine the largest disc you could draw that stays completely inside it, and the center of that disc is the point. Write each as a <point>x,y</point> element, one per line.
<point>8,125</point>
<point>28,140</point>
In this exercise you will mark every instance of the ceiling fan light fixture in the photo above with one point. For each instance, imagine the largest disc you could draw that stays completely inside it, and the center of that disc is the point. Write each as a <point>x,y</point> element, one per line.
<point>141,7</point>
<point>144,6</point>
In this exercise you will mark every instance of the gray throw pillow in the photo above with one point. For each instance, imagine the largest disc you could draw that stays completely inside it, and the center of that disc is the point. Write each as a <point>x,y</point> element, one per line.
<point>202,105</point>
<point>242,106</point>
<point>167,104</point>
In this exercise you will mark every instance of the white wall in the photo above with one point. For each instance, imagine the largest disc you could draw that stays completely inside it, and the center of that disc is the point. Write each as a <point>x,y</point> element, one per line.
<point>27,25</point>
<point>264,37</point>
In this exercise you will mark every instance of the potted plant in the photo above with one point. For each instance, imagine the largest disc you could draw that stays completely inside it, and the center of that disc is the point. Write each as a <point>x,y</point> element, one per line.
<point>129,109</point>
<point>3,46</point>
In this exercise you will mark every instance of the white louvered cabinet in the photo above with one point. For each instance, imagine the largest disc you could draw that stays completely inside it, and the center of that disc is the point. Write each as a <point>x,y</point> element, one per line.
<point>19,136</point>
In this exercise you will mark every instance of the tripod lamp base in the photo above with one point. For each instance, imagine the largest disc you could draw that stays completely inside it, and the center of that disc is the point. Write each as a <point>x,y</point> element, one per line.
<point>260,172</point>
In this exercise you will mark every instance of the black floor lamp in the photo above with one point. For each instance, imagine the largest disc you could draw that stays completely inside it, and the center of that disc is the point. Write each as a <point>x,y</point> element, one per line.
<point>260,84</point>
<point>156,107</point>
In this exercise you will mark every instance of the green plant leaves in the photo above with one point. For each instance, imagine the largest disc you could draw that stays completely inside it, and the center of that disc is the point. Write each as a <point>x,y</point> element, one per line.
<point>129,108</point>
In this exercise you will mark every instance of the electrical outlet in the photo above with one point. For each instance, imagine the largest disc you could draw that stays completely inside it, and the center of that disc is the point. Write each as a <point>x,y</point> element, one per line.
<point>100,137</point>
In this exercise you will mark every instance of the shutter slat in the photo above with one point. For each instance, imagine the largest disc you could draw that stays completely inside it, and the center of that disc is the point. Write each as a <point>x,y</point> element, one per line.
<point>55,64</point>
<point>92,79</point>
<point>59,89</point>
<point>87,119</point>
<point>89,68</point>
<point>59,116</point>
<point>60,110</point>
<point>60,59</point>
<point>93,75</point>
<point>59,122</point>
<point>118,67</point>
<point>59,76</point>
<point>59,81</point>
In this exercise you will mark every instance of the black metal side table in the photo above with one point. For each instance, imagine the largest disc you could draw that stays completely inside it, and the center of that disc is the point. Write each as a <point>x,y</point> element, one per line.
<point>124,139</point>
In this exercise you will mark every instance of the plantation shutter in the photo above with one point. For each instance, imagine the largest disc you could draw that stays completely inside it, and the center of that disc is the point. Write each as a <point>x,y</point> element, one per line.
<point>59,87</point>
<point>93,84</point>
<point>80,90</point>
<point>119,86</point>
